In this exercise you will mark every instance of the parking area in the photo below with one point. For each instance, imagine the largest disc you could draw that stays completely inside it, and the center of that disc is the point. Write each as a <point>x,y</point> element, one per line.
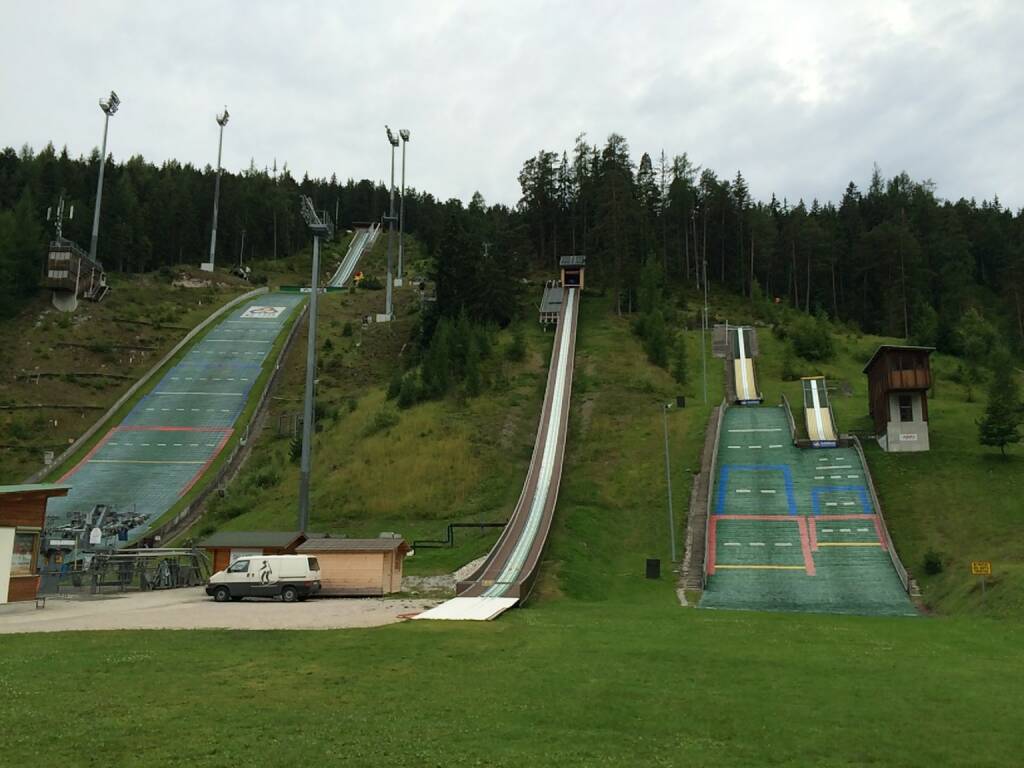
<point>192,609</point>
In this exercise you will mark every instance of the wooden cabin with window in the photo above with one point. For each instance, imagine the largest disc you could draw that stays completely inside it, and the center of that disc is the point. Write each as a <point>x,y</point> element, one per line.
<point>898,382</point>
<point>572,270</point>
<point>22,517</point>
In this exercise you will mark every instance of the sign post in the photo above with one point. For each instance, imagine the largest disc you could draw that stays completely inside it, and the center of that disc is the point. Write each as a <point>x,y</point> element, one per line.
<point>981,568</point>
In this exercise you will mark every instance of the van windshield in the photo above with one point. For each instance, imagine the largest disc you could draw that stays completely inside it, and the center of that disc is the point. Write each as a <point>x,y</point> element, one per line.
<point>314,564</point>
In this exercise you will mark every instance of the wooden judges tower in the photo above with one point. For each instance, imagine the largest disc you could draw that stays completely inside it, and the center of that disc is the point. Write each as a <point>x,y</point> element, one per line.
<point>70,271</point>
<point>898,383</point>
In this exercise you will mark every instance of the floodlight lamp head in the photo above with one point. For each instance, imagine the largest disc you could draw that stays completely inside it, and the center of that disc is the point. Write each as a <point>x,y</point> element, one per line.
<point>111,104</point>
<point>404,133</point>
<point>391,137</point>
<point>222,119</point>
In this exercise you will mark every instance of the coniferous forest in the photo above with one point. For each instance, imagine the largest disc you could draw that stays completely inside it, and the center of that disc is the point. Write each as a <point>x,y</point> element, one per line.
<point>888,256</point>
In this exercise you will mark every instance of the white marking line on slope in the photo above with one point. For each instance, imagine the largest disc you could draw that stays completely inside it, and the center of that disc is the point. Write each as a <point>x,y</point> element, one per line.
<point>742,490</point>
<point>836,477</point>
<point>862,530</point>
<point>241,341</point>
<point>827,530</point>
<point>838,466</point>
<point>766,491</point>
<point>753,446</point>
<point>783,543</point>
<point>204,394</point>
<point>849,503</point>
<point>757,543</point>
<point>845,530</point>
<point>734,446</point>
<point>819,477</point>
<point>831,504</point>
<point>731,544</point>
<point>853,476</point>
<point>758,429</point>
<point>823,459</point>
<point>774,446</point>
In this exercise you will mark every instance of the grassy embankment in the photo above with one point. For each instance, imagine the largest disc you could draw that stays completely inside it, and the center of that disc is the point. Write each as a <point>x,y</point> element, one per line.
<point>603,667</point>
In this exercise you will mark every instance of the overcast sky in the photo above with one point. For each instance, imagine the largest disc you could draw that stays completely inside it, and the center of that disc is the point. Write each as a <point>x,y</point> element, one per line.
<point>802,97</point>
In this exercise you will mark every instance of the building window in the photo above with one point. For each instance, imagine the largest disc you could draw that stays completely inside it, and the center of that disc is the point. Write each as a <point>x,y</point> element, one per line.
<point>906,408</point>
<point>23,559</point>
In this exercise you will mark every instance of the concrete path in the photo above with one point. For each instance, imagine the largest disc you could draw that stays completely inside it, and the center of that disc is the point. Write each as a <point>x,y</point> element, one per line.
<point>193,609</point>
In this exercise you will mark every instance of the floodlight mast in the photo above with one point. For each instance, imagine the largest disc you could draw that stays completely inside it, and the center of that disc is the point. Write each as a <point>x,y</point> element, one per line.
<point>109,107</point>
<point>404,133</point>
<point>388,309</point>
<point>222,120</point>
<point>319,229</point>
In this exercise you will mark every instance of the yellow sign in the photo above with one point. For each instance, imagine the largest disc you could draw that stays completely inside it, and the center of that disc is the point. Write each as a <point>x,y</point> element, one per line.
<point>981,568</point>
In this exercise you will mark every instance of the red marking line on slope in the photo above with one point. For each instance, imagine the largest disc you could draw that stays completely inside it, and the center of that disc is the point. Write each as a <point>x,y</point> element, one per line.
<point>88,456</point>
<point>209,461</point>
<point>805,545</point>
<point>812,525</point>
<point>710,554</point>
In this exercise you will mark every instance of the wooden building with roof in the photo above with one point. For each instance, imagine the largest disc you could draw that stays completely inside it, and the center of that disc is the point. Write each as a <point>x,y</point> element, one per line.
<point>899,378</point>
<point>22,518</point>
<point>358,567</point>
<point>224,547</point>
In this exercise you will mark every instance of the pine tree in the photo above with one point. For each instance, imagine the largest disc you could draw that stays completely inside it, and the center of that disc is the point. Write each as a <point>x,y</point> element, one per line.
<point>1001,425</point>
<point>655,339</point>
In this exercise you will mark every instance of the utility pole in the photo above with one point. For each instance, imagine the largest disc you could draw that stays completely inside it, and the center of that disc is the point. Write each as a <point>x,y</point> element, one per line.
<point>319,230</point>
<point>109,107</point>
<point>404,133</point>
<point>222,120</point>
<point>668,480</point>
<point>242,249</point>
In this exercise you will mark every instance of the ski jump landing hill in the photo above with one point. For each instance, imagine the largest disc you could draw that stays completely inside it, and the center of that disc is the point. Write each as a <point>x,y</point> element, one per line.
<point>508,573</point>
<point>793,528</point>
<point>362,240</point>
<point>170,438</point>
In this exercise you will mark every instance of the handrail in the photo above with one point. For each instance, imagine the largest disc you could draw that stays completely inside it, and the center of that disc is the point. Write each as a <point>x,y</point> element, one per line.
<point>789,417</point>
<point>901,570</point>
<point>711,489</point>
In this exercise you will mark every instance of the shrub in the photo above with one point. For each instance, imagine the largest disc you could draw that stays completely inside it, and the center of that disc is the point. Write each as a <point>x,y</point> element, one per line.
<point>266,478</point>
<point>812,338</point>
<point>384,419</point>
<point>933,562</point>
<point>347,328</point>
<point>328,345</point>
<point>352,404</point>
<point>516,351</point>
<point>295,447</point>
<point>409,392</point>
<point>395,385</point>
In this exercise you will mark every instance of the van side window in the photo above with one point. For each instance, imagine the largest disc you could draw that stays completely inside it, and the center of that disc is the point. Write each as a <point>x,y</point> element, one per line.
<point>239,566</point>
<point>314,564</point>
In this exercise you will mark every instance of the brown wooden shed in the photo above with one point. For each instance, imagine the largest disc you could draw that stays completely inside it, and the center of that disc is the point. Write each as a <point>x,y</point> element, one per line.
<point>226,546</point>
<point>358,567</point>
<point>22,517</point>
<point>898,381</point>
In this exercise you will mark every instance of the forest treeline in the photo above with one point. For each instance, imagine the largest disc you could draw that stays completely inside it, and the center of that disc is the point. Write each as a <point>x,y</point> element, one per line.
<point>154,216</point>
<point>891,258</point>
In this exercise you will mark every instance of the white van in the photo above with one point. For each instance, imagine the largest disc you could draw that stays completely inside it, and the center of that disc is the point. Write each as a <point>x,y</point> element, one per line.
<point>293,577</point>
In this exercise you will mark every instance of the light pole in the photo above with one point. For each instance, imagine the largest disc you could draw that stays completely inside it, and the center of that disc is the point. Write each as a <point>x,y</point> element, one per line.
<point>668,480</point>
<point>704,325</point>
<point>388,311</point>
<point>404,133</point>
<point>109,107</point>
<point>319,229</point>
<point>222,120</point>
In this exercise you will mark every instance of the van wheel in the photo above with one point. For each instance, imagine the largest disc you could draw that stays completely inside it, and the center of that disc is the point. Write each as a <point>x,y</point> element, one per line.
<point>289,594</point>
<point>222,594</point>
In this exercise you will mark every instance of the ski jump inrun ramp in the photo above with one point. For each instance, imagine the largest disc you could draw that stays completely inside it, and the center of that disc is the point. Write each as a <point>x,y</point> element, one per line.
<point>363,239</point>
<point>818,413</point>
<point>743,365</point>
<point>172,436</point>
<point>508,573</point>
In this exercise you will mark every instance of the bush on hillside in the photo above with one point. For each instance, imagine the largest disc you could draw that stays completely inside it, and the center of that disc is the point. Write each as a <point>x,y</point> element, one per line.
<point>933,562</point>
<point>516,351</point>
<point>812,338</point>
